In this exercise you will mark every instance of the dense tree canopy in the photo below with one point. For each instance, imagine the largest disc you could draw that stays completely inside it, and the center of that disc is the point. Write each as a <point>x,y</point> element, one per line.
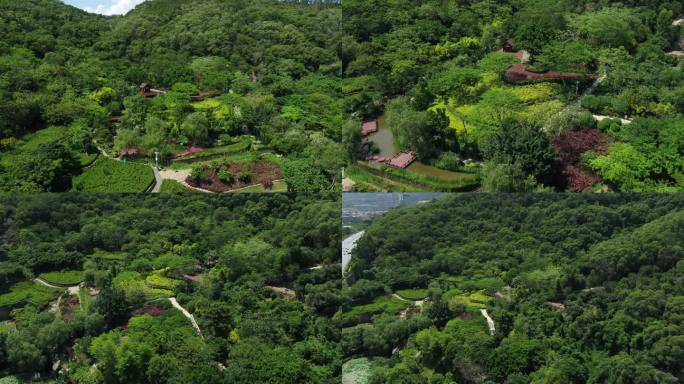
<point>618,59</point>
<point>264,68</point>
<point>260,274</point>
<point>580,288</point>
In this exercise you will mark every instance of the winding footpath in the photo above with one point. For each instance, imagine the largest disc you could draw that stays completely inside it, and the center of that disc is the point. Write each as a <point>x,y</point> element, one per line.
<point>348,245</point>
<point>418,303</point>
<point>187,314</point>
<point>490,322</point>
<point>45,283</point>
<point>156,188</point>
<point>593,86</point>
<point>73,290</point>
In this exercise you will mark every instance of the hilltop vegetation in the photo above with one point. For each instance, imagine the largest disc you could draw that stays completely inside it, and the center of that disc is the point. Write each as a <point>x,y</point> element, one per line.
<point>260,273</point>
<point>224,72</point>
<point>458,83</point>
<point>580,288</point>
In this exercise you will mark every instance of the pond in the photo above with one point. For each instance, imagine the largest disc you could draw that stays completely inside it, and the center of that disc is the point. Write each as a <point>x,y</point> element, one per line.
<point>384,138</point>
<point>388,148</point>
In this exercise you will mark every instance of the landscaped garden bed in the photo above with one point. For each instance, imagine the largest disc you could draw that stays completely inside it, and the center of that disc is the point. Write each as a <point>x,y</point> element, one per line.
<point>230,175</point>
<point>571,147</point>
<point>206,154</point>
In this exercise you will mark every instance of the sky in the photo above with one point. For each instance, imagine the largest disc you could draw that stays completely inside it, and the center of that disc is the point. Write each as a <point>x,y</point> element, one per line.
<point>105,7</point>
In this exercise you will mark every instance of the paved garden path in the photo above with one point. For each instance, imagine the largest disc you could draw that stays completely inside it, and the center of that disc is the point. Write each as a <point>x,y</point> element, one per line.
<point>187,314</point>
<point>157,181</point>
<point>593,87</point>
<point>45,283</point>
<point>417,303</point>
<point>490,322</point>
<point>347,245</point>
<point>602,117</point>
<point>74,290</point>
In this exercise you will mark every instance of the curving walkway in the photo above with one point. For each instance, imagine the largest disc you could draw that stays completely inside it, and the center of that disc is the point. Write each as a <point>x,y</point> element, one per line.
<point>157,181</point>
<point>347,245</point>
<point>187,314</point>
<point>490,322</point>
<point>45,283</point>
<point>73,291</point>
<point>602,117</point>
<point>404,313</point>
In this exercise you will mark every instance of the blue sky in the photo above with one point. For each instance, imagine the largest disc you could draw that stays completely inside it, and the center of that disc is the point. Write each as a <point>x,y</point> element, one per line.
<point>105,7</point>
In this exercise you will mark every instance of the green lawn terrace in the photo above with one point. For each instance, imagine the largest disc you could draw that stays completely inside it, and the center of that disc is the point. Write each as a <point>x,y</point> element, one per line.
<point>27,293</point>
<point>11,149</point>
<point>403,316</point>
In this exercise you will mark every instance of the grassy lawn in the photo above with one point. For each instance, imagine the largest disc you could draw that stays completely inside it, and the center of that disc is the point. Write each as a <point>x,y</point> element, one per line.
<point>386,304</point>
<point>278,186</point>
<point>412,294</point>
<point>172,186</point>
<point>368,182</point>
<point>85,159</point>
<point>29,292</point>
<point>455,182</point>
<point>109,175</point>
<point>110,256</point>
<point>7,326</point>
<point>356,371</point>
<point>63,278</point>
<point>31,142</point>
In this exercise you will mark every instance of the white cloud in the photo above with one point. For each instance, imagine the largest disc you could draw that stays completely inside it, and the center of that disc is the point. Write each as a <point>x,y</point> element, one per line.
<point>118,7</point>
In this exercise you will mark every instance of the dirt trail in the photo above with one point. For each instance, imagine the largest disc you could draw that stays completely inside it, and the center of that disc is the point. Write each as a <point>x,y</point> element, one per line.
<point>490,322</point>
<point>187,314</point>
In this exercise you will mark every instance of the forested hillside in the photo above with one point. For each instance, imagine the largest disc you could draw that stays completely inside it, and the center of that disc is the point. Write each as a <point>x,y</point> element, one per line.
<point>572,95</point>
<point>230,86</point>
<point>105,288</point>
<point>530,288</point>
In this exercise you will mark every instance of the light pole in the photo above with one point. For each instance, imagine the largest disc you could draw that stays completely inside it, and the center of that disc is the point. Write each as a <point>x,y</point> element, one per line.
<point>156,159</point>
